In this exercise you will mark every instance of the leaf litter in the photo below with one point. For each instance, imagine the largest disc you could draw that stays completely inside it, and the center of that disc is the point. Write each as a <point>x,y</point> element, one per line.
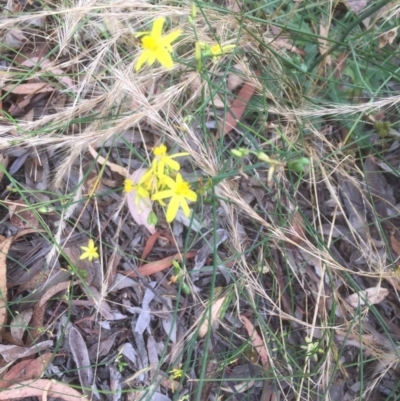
<point>123,323</point>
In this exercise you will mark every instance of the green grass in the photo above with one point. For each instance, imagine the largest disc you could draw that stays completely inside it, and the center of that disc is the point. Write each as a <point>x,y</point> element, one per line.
<point>302,107</point>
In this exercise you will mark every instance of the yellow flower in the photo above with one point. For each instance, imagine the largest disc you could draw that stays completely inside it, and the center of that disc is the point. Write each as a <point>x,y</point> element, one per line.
<point>162,160</point>
<point>129,186</point>
<point>213,51</point>
<point>90,251</point>
<point>217,50</point>
<point>156,46</point>
<point>142,194</point>
<point>179,191</point>
<point>176,373</point>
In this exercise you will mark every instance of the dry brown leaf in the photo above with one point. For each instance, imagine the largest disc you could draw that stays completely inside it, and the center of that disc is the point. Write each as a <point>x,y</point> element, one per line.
<point>36,388</point>
<point>395,244</point>
<point>323,43</point>
<point>356,5</point>
<point>7,379</point>
<point>387,38</point>
<point>19,325</point>
<point>217,102</point>
<point>11,353</point>
<point>40,309</point>
<point>4,248</point>
<point>113,167</point>
<point>26,370</point>
<point>81,358</point>
<point>234,80</point>
<point>215,313</point>
<point>236,110</point>
<point>99,301</point>
<point>296,233</point>
<point>28,89</point>
<point>21,216</point>
<point>159,265</point>
<point>256,341</point>
<point>374,295</point>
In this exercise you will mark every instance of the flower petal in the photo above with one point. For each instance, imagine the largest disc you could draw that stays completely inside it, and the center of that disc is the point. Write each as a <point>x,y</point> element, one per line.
<point>179,179</point>
<point>142,59</point>
<point>164,58</point>
<point>156,31</point>
<point>168,39</point>
<point>191,195</point>
<point>163,194</point>
<point>172,208</point>
<point>185,207</point>
<point>84,255</point>
<point>169,182</point>
<point>172,164</point>
<point>152,58</point>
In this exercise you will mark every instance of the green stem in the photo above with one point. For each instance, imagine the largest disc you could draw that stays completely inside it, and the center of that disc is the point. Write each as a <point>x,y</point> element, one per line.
<point>357,21</point>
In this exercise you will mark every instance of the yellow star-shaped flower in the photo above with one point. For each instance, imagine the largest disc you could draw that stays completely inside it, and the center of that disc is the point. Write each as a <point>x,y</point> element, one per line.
<point>162,160</point>
<point>90,251</point>
<point>179,193</point>
<point>156,46</point>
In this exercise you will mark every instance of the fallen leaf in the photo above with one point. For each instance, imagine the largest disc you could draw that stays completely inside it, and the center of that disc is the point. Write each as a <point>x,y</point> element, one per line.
<point>28,89</point>
<point>21,215</point>
<point>374,295</point>
<point>160,265</point>
<point>236,110</point>
<point>395,244</point>
<point>141,208</point>
<point>81,358</point>
<point>256,341</point>
<point>26,370</point>
<point>14,39</point>
<point>40,309</point>
<point>144,317</point>
<point>99,301</point>
<point>36,388</point>
<point>215,313</point>
<point>234,80</point>
<point>153,356</point>
<point>387,38</point>
<point>217,102</point>
<point>356,5</point>
<point>207,249</point>
<point>7,379</point>
<point>115,383</point>
<point>169,320</point>
<point>19,325</point>
<point>11,353</point>
<point>113,167</point>
<point>4,248</point>
<point>98,350</point>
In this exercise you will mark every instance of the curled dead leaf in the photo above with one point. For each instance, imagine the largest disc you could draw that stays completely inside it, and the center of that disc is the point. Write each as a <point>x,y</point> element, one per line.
<point>36,388</point>
<point>256,341</point>
<point>28,89</point>
<point>373,295</point>
<point>113,167</point>
<point>26,370</point>
<point>236,110</point>
<point>215,314</point>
